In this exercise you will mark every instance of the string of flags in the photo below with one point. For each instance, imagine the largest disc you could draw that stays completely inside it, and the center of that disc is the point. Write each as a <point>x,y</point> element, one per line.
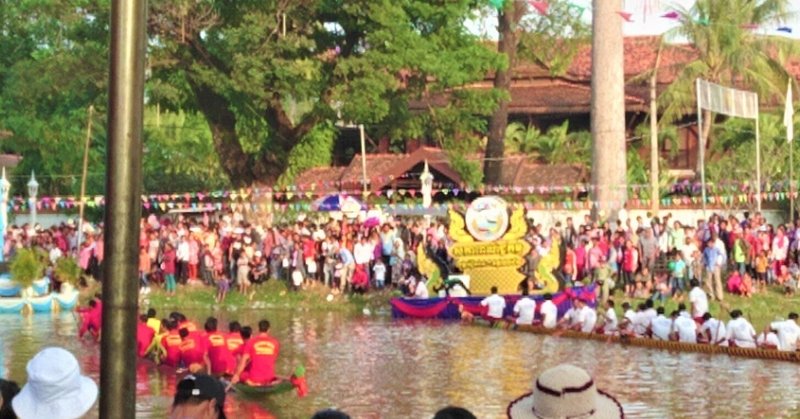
<point>542,7</point>
<point>266,199</point>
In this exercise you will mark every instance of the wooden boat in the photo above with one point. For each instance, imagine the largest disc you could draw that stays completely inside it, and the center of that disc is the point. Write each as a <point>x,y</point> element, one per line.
<point>753,353</point>
<point>277,387</point>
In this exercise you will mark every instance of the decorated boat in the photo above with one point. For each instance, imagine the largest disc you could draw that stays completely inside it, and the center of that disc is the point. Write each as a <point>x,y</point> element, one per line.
<point>12,305</point>
<point>66,301</point>
<point>8,288</point>
<point>451,308</point>
<point>278,387</point>
<point>42,304</point>
<point>754,353</point>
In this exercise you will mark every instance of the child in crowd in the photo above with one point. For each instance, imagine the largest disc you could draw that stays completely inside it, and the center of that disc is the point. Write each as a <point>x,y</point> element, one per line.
<point>677,271</point>
<point>661,288</point>
<point>379,273</point>
<point>761,269</point>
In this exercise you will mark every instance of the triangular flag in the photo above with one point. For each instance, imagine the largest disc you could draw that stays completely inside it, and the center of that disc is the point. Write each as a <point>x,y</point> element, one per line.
<point>702,21</point>
<point>497,4</point>
<point>625,15</point>
<point>540,6</point>
<point>750,26</point>
<point>785,29</point>
<point>671,15</point>
<point>788,113</point>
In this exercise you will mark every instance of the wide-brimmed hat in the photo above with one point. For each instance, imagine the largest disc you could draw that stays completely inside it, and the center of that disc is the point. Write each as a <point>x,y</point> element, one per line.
<point>55,388</point>
<point>565,391</point>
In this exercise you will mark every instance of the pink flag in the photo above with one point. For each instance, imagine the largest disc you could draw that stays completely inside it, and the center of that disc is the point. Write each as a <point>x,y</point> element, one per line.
<point>627,16</point>
<point>671,15</point>
<point>540,6</point>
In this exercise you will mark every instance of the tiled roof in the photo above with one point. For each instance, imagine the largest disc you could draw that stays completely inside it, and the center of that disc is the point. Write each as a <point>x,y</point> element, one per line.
<point>518,171</point>
<point>9,160</point>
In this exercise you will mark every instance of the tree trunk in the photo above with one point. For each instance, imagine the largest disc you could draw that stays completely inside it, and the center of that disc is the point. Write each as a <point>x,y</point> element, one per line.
<point>702,141</point>
<point>608,110</point>
<point>655,194</point>
<point>507,21</point>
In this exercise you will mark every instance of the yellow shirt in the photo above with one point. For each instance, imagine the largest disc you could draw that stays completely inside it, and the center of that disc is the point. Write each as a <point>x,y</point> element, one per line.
<point>154,324</point>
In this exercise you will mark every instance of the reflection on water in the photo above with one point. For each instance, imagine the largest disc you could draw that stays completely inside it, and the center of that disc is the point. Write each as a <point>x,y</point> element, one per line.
<point>375,368</point>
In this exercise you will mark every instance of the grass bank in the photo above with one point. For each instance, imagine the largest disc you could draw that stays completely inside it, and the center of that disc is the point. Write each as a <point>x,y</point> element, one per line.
<point>272,294</point>
<point>761,309</point>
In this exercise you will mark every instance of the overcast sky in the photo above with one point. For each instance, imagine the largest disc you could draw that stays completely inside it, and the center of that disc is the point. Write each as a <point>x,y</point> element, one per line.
<point>646,18</point>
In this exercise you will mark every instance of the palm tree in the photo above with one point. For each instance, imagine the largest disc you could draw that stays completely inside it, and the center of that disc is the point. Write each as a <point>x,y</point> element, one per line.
<point>728,52</point>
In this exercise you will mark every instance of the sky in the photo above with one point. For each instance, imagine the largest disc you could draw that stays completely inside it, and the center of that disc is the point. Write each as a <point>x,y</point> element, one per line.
<point>646,18</point>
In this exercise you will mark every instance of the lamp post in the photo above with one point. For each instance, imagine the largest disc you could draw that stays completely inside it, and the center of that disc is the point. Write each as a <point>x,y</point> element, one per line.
<point>33,190</point>
<point>5,188</point>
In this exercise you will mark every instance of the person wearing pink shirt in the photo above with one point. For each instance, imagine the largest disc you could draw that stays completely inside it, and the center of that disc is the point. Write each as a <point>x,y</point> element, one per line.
<point>194,257</point>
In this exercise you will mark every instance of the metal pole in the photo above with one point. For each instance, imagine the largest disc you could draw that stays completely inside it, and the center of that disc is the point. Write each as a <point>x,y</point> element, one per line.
<point>81,204</point>
<point>123,209</point>
<point>702,147</point>
<point>363,160</point>
<point>655,195</point>
<point>758,164</point>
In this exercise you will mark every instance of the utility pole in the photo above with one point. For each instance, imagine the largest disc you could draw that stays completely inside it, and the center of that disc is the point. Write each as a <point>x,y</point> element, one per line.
<point>123,209</point>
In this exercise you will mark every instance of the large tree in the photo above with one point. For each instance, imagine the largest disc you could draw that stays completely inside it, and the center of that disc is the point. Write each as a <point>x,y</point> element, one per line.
<point>266,74</point>
<point>729,52</point>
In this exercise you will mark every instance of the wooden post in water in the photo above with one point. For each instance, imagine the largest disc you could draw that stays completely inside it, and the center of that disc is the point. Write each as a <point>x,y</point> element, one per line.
<point>123,210</point>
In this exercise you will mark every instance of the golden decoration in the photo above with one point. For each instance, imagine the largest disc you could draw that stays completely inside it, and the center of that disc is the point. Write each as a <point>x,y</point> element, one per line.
<point>457,230</point>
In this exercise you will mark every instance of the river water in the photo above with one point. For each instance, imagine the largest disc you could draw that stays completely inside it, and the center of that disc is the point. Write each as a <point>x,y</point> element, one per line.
<point>373,367</point>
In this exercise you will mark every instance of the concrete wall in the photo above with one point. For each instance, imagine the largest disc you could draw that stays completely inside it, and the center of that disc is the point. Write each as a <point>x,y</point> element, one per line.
<point>45,220</point>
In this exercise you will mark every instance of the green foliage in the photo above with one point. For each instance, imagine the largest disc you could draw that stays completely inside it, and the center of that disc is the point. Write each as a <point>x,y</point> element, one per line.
<point>556,146</point>
<point>67,270</point>
<point>27,266</point>
<point>179,153</point>
<point>313,150</point>
<point>728,51</point>
<point>553,40</point>
<point>732,157</point>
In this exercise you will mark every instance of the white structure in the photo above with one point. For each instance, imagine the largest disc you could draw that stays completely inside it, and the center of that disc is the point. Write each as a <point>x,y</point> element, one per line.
<point>33,191</point>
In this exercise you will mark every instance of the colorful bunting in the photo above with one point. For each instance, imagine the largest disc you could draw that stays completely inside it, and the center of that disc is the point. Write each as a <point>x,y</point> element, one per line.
<point>671,15</point>
<point>540,6</point>
<point>625,15</point>
<point>785,29</point>
<point>497,4</point>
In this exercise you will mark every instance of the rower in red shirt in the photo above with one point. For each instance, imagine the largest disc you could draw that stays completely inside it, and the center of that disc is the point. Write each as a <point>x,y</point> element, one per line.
<point>172,344</point>
<point>257,366</point>
<point>235,344</point>
<point>193,351</point>
<point>91,318</point>
<point>144,336</point>
<point>217,354</point>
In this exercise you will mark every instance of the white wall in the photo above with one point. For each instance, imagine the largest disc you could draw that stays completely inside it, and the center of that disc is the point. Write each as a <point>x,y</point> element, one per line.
<point>45,220</point>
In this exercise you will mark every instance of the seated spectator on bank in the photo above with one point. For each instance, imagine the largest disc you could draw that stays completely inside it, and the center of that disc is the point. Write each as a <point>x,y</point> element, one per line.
<point>199,397</point>
<point>55,388</point>
<point>734,283</point>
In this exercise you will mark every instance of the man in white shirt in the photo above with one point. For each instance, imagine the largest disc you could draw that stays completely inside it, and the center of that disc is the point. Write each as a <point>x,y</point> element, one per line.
<point>363,251</point>
<point>610,319</point>
<point>768,340</point>
<point>628,316</point>
<point>713,331</point>
<point>741,333</point>
<point>524,309</point>
<point>788,332</point>
<point>683,329</point>
<point>548,312</point>
<point>699,300</point>
<point>587,317</point>
<point>640,322</point>
<point>496,305</point>
<point>661,326</point>
<point>421,289</point>
<point>649,313</point>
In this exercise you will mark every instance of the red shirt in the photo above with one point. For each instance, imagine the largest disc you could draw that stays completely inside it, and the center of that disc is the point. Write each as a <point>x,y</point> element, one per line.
<point>263,350</point>
<point>144,337</point>
<point>193,349</point>
<point>218,353</point>
<point>188,326</point>
<point>172,343</point>
<point>235,343</point>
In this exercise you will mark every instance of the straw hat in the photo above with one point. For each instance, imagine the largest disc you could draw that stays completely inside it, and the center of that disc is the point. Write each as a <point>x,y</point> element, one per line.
<point>565,391</point>
<point>55,388</point>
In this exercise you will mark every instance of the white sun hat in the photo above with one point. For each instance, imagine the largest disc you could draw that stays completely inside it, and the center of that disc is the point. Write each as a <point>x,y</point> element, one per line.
<point>55,388</point>
<point>565,391</point>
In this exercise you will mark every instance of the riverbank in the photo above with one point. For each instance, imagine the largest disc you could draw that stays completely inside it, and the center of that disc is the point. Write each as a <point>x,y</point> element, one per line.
<point>271,295</point>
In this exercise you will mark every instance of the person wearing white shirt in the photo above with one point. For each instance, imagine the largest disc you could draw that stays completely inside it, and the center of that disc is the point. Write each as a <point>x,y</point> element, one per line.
<point>683,329</point>
<point>641,321</point>
<point>788,332</point>
<point>610,319</point>
<point>714,331</point>
<point>363,252</point>
<point>570,319</point>
<point>768,340</point>
<point>496,305</point>
<point>524,309</point>
<point>628,315</point>
<point>587,318</point>
<point>698,299</point>
<point>741,333</point>
<point>548,312</point>
<point>661,326</point>
<point>421,290</point>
